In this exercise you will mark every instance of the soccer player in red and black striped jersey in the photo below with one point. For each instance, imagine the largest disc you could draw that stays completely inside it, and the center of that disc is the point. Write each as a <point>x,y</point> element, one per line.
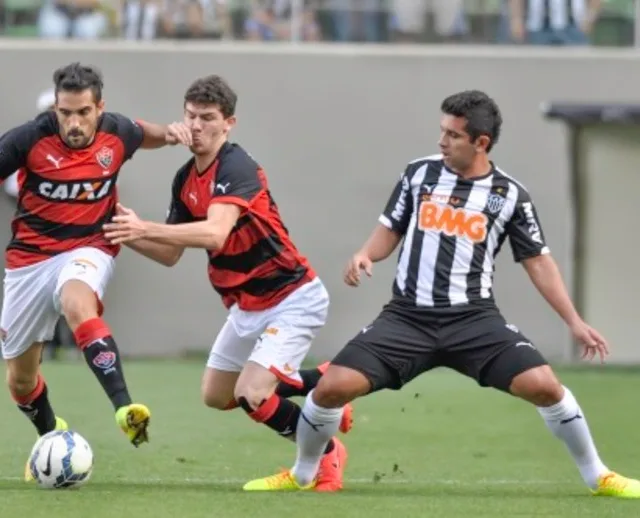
<point>221,202</point>
<point>58,261</point>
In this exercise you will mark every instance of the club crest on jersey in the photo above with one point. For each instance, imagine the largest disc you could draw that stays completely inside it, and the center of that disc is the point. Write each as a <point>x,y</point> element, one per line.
<point>495,202</point>
<point>105,157</point>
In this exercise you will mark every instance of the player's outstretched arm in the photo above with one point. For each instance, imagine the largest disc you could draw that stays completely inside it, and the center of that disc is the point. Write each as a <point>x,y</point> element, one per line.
<point>157,135</point>
<point>546,277</point>
<point>210,234</point>
<point>382,242</point>
<point>166,255</point>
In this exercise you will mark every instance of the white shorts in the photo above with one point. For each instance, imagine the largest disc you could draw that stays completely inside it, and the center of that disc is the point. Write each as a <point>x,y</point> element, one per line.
<point>277,338</point>
<point>31,302</point>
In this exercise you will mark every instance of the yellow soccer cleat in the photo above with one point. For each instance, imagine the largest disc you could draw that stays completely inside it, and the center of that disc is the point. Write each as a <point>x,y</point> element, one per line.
<point>61,424</point>
<point>281,482</point>
<point>134,419</point>
<point>617,486</point>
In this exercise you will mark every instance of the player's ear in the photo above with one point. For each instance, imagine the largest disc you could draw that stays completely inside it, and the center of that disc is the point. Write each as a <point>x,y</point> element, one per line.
<point>482,143</point>
<point>100,106</point>
<point>231,122</point>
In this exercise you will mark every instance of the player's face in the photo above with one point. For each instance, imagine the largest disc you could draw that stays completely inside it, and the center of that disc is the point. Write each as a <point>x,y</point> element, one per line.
<point>208,126</point>
<point>458,150</point>
<point>78,115</point>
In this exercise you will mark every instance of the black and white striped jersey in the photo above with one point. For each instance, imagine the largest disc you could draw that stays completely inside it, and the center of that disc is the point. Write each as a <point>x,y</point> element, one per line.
<point>453,229</point>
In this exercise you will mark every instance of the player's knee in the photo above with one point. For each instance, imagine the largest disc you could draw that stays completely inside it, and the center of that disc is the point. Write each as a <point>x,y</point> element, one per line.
<point>215,400</point>
<point>250,397</point>
<point>21,383</point>
<point>78,303</point>
<point>340,386</point>
<point>539,386</point>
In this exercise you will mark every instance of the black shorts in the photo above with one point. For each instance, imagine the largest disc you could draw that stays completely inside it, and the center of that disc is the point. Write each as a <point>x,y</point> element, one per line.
<point>405,341</point>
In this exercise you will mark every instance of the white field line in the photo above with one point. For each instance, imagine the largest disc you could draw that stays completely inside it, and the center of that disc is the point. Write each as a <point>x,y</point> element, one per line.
<point>384,480</point>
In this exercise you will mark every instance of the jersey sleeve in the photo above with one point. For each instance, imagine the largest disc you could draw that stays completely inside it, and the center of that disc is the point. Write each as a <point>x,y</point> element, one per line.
<point>525,231</point>
<point>14,148</point>
<point>129,131</point>
<point>237,180</point>
<point>178,211</point>
<point>397,213</point>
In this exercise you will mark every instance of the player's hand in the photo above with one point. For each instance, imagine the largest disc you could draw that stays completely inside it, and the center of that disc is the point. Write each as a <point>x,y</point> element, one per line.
<point>178,133</point>
<point>591,341</point>
<point>358,262</point>
<point>125,226</point>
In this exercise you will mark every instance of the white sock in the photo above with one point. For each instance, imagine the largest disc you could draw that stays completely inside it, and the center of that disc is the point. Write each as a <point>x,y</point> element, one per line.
<point>315,429</point>
<point>567,422</point>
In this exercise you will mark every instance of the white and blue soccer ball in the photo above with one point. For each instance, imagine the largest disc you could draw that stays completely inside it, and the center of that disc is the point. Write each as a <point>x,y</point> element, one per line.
<point>61,459</point>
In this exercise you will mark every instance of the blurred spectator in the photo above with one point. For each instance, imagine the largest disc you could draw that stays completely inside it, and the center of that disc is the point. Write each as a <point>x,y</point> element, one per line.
<point>551,22</point>
<point>194,19</point>
<point>81,19</point>
<point>272,20</point>
<point>140,19</point>
<point>408,20</point>
<point>356,20</point>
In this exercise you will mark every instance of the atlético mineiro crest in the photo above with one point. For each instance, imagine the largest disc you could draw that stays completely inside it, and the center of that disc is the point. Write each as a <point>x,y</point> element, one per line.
<point>495,202</point>
<point>105,157</point>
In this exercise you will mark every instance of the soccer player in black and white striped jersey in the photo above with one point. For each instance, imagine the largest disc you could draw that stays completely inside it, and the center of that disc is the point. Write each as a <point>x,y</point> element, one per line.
<point>453,212</point>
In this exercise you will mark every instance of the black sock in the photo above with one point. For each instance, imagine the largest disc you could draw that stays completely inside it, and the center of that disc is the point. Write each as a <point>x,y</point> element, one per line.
<point>38,409</point>
<point>279,414</point>
<point>310,379</point>
<point>103,358</point>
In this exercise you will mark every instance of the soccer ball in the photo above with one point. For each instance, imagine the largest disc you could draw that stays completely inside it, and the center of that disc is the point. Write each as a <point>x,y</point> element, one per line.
<point>61,459</point>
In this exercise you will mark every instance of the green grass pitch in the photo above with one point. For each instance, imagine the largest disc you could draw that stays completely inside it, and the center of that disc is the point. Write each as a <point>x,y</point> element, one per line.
<point>442,447</point>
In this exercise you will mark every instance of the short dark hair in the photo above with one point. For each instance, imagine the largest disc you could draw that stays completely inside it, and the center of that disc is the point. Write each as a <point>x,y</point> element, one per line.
<point>480,111</point>
<point>212,90</point>
<point>77,78</point>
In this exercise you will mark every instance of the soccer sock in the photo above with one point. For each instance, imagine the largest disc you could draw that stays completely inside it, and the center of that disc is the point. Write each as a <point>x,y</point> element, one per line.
<point>310,379</point>
<point>566,421</point>
<point>316,427</point>
<point>279,414</point>
<point>37,408</point>
<point>101,353</point>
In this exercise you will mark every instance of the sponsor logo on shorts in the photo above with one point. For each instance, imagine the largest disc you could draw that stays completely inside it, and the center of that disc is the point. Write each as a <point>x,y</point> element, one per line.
<point>271,331</point>
<point>287,369</point>
<point>83,263</point>
<point>511,327</point>
<point>105,361</point>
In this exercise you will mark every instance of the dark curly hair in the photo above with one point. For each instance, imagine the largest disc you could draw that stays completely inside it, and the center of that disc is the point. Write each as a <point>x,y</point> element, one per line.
<point>212,90</point>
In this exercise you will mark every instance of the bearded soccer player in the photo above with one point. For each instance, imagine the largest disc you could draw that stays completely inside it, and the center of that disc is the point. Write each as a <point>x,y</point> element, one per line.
<point>221,202</point>
<point>58,261</point>
<point>453,212</point>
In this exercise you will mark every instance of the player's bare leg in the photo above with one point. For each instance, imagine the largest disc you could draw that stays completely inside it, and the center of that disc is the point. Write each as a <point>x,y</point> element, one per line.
<point>29,390</point>
<point>218,387</point>
<point>318,424</point>
<point>80,307</point>
<point>564,417</point>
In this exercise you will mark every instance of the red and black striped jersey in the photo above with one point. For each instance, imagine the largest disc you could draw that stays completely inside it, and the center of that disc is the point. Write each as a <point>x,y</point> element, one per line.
<point>66,195</point>
<point>258,266</point>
